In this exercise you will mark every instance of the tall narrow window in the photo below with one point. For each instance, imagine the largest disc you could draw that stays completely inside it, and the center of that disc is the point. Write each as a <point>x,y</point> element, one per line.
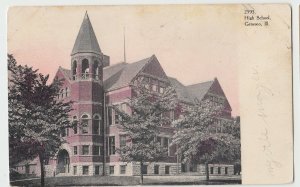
<point>219,170</point>
<point>172,118</point>
<point>74,170</point>
<point>167,170</point>
<point>111,170</point>
<point>75,150</point>
<point>97,170</point>
<point>156,169</point>
<point>109,113</point>
<point>166,144</point>
<point>62,93</point>
<point>145,169</point>
<point>122,141</point>
<point>85,69</point>
<point>158,139</point>
<point>74,70</point>
<point>117,117</point>
<point>85,124</point>
<point>96,70</point>
<point>122,169</point>
<point>96,125</point>
<point>75,121</point>
<point>96,150</point>
<point>112,146</point>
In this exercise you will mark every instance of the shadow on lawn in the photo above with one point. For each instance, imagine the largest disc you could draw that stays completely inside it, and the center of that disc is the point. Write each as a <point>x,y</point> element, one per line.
<point>115,181</point>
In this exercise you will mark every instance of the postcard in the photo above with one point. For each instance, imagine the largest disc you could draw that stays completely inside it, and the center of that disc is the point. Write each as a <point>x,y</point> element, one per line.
<point>150,94</point>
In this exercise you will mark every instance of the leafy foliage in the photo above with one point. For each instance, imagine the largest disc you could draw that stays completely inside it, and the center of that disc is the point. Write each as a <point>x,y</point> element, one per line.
<point>199,138</point>
<point>142,124</point>
<point>36,117</point>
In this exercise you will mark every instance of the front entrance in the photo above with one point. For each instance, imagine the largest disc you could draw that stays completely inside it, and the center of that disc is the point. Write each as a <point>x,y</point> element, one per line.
<point>63,162</point>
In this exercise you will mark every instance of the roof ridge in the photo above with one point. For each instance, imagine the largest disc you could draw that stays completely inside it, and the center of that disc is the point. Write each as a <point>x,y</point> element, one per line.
<point>199,83</point>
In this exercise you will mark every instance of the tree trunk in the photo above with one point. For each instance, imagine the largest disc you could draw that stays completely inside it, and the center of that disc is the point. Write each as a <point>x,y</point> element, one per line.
<point>42,170</point>
<point>207,171</point>
<point>142,177</point>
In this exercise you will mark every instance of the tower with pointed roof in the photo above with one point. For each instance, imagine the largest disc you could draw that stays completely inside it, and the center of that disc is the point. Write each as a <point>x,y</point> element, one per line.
<point>94,86</point>
<point>86,55</point>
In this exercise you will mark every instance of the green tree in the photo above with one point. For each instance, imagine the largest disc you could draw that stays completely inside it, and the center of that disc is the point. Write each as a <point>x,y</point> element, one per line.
<point>142,124</point>
<point>36,117</point>
<point>198,136</point>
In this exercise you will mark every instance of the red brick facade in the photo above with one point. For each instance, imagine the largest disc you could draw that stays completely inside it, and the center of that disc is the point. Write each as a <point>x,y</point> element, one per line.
<point>93,85</point>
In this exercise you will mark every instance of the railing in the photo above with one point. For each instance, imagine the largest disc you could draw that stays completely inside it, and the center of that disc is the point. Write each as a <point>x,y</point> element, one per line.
<point>86,76</point>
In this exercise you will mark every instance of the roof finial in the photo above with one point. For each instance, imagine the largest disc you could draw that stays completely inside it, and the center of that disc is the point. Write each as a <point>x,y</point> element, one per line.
<point>86,14</point>
<point>124,44</point>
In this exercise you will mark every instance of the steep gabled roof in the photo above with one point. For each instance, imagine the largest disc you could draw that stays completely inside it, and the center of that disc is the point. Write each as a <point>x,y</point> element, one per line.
<point>66,72</point>
<point>191,92</point>
<point>199,90</point>
<point>122,74</point>
<point>180,89</point>
<point>86,40</point>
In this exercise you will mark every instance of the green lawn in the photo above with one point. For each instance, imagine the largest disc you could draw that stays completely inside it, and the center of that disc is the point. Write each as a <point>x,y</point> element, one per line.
<point>125,181</point>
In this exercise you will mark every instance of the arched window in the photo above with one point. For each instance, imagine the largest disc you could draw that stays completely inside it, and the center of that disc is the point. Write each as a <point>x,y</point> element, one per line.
<point>85,124</point>
<point>75,127</point>
<point>85,69</point>
<point>74,70</point>
<point>96,124</point>
<point>96,70</point>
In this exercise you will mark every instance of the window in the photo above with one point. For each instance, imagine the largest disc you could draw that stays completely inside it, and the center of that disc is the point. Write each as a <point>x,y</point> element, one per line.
<point>46,161</point>
<point>85,123</point>
<point>101,150</point>
<point>74,69</point>
<point>161,90</point>
<point>97,170</point>
<point>226,170</point>
<point>74,170</point>
<point>75,150</point>
<point>62,93</point>
<point>211,170</point>
<point>166,144</point>
<point>172,118</point>
<point>85,150</point>
<point>75,124</point>
<point>85,170</point>
<point>116,118</point>
<point>167,169</point>
<point>124,107</point>
<point>96,150</point>
<point>109,113</point>
<point>122,169</point>
<point>63,133</point>
<point>85,69</point>
<point>154,87</point>
<point>156,169</point>
<point>122,141</point>
<point>112,146</point>
<point>96,125</point>
<point>219,170</point>
<point>158,139</point>
<point>145,169</point>
<point>111,170</point>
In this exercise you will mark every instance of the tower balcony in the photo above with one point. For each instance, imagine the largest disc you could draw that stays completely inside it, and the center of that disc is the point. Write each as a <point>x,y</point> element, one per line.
<point>86,76</point>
